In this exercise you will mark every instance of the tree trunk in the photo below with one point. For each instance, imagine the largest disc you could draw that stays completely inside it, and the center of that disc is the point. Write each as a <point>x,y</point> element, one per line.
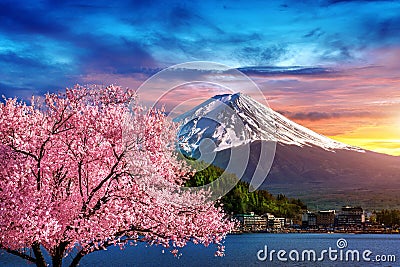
<point>56,261</point>
<point>40,262</point>
<point>57,258</point>
<point>77,258</point>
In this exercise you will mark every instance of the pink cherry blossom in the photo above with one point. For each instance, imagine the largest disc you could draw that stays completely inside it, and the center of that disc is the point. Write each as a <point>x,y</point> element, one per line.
<point>83,169</point>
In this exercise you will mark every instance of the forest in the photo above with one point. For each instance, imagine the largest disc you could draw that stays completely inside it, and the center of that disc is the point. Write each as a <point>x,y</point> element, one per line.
<point>239,200</point>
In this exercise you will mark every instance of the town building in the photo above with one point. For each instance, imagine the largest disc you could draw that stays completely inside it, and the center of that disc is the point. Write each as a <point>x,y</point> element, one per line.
<point>309,220</point>
<point>326,218</point>
<point>351,217</point>
<point>252,222</point>
<point>275,222</point>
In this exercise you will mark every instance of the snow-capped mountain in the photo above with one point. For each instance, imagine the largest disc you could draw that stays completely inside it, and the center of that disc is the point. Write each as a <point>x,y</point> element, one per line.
<point>305,164</point>
<point>231,120</point>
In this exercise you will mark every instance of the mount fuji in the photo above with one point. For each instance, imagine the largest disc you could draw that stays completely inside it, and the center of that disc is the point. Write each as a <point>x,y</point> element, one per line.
<point>285,157</point>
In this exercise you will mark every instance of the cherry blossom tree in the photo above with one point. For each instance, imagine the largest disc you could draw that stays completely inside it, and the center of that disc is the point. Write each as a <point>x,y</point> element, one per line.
<point>83,170</point>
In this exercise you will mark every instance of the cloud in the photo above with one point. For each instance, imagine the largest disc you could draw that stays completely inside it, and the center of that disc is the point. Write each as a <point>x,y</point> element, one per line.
<point>356,1</point>
<point>11,91</point>
<point>12,58</point>
<point>30,75</point>
<point>292,70</point>
<point>181,16</point>
<point>117,56</point>
<point>315,33</point>
<point>24,19</point>
<point>381,30</point>
<point>316,115</point>
<point>73,39</point>
<point>261,55</point>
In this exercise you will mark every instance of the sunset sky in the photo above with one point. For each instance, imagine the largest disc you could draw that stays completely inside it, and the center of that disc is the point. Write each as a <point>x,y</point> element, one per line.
<point>332,66</point>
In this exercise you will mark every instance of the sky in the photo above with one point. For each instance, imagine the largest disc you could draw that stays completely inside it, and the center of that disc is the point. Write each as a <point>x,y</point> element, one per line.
<point>330,65</point>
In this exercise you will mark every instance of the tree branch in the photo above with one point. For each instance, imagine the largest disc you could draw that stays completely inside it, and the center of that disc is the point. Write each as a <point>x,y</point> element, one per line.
<point>41,154</point>
<point>80,177</point>
<point>85,251</point>
<point>18,253</point>
<point>23,152</point>
<point>77,258</point>
<point>58,254</point>
<point>40,262</point>
<point>100,185</point>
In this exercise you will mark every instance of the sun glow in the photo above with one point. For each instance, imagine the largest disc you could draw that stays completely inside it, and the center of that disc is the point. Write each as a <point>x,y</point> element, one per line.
<point>386,146</point>
<point>378,138</point>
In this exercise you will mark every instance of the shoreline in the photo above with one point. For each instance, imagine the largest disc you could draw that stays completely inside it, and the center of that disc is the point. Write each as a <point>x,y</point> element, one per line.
<point>296,231</point>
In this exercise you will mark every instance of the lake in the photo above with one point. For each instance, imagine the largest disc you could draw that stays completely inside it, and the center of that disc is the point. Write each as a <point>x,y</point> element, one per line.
<point>241,250</point>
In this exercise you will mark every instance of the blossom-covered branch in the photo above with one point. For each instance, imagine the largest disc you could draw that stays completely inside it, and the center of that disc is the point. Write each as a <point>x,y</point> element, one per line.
<point>89,168</point>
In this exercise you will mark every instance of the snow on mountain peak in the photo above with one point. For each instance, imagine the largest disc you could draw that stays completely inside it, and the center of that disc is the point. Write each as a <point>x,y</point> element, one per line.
<point>227,97</point>
<point>234,119</point>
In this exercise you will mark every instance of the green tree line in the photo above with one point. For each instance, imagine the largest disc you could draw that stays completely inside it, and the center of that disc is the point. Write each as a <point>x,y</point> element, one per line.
<point>240,200</point>
<point>388,217</point>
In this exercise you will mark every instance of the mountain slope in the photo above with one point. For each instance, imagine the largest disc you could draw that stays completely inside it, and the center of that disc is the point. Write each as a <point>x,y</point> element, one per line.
<point>260,123</point>
<point>306,164</point>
